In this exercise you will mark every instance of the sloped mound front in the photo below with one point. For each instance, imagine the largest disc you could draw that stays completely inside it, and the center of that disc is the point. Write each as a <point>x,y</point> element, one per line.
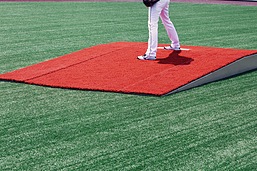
<point>114,67</point>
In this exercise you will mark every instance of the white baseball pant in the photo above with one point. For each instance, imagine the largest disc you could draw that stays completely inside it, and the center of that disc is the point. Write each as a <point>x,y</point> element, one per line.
<point>160,10</point>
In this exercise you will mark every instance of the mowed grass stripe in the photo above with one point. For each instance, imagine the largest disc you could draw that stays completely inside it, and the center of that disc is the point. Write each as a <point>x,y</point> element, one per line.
<point>212,127</point>
<point>147,140</point>
<point>45,33</point>
<point>165,139</point>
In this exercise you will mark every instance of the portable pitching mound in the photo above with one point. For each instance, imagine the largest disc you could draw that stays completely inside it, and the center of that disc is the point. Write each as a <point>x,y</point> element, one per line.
<point>114,67</point>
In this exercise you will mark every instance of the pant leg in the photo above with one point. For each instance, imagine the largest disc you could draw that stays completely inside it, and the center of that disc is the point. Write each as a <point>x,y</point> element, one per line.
<point>153,19</point>
<point>170,28</point>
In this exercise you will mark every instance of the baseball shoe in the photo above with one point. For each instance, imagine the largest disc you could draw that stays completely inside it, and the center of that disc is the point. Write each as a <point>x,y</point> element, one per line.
<point>145,57</point>
<point>172,48</point>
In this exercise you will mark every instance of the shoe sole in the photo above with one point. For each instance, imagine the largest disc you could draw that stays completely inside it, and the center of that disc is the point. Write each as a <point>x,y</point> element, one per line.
<point>144,59</point>
<point>181,49</point>
<point>171,49</point>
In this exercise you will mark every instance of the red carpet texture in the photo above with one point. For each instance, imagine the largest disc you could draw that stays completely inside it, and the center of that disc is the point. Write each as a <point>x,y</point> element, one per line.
<point>114,67</point>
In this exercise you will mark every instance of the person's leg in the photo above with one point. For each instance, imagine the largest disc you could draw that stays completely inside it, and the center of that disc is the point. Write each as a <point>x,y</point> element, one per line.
<point>153,18</point>
<point>170,28</point>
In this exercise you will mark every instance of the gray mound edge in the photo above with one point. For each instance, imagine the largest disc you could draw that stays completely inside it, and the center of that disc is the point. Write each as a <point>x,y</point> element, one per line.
<point>245,64</point>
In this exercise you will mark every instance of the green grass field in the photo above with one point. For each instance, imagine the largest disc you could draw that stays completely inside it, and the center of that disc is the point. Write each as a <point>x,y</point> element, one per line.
<point>212,127</point>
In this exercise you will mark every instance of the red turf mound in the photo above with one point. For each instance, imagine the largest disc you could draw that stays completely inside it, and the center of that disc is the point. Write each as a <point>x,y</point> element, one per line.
<point>114,67</point>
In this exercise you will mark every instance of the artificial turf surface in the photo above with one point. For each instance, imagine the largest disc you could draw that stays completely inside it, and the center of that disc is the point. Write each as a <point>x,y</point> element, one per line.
<point>213,127</point>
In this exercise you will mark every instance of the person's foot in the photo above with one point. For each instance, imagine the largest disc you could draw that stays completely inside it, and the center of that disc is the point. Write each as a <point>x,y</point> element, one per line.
<point>145,57</point>
<point>172,48</point>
